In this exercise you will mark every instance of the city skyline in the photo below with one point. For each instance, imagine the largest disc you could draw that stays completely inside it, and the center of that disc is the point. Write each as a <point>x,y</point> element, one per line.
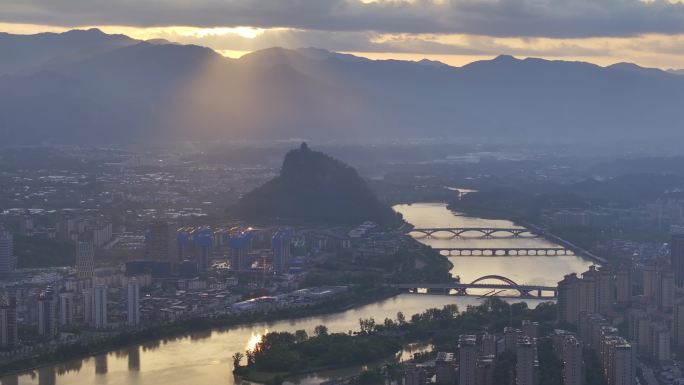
<point>342,192</point>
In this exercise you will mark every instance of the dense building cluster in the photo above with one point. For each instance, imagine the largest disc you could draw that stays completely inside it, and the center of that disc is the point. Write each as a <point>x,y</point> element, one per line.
<point>176,273</point>
<point>652,310</point>
<point>477,355</point>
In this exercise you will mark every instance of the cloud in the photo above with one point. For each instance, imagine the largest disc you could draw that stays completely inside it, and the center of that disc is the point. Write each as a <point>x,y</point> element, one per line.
<point>497,18</point>
<point>336,41</point>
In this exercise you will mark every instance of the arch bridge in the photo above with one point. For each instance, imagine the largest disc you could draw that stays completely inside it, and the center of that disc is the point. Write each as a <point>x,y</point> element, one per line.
<point>500,283</point>
<point>485,232</point>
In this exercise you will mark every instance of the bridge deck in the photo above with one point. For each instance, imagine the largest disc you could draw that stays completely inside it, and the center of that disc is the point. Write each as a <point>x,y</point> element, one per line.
<point>455,286</point>
<point>485,231</point>
<point>505,251</point>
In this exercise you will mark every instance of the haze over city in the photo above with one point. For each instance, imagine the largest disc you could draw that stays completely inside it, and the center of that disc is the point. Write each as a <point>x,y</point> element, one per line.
<point>342,192</point>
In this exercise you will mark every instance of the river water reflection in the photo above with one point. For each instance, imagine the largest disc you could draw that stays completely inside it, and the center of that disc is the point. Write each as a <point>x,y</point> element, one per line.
<point>531,270</point>
<point>205,358</point>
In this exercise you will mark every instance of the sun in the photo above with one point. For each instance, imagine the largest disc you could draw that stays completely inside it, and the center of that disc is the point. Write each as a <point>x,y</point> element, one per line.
<point>246,32</point>
<point>254,340</point>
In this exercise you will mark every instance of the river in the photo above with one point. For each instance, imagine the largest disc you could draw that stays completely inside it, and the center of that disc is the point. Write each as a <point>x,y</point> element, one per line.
<point>205,358</point>
<point>531,270</point>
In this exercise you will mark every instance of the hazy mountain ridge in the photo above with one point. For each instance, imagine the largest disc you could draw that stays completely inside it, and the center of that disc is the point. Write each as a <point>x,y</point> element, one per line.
<point>23,53</point>
<point>106,88</point>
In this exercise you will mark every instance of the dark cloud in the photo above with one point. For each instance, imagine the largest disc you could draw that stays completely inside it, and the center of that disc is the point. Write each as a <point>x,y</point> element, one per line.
<point>533,18</point>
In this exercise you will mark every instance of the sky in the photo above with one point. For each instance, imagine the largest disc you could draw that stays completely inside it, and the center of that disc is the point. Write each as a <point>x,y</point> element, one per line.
<point>647,32</point>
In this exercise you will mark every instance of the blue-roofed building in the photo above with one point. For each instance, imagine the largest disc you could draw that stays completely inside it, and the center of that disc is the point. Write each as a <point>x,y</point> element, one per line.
<point>240,246</point>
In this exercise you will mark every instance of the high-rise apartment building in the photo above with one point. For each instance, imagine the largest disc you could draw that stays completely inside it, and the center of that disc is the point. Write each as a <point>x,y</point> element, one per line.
<point>280,244</point>
<point>26,223</point>
<point>240,245</point>
<point>511,336</point>
<point>8,261</point>
<point>623,285</point>
<point>133,302</point>
<point>623,368</point>
<point>47,313</point>
<point>678,323</point>
<point>588,299</point>
<point>467,359</point>
<point>66,308</point>
<point>204,241</point>
<point>88,300</point>
<point>530,328</point>
<point>445,369</point>
<point>85,259</point>
<point>568,299</point>
<point>100,307</point>
<point>488,347</point>
<point>677,254</point>
<point>526,366</point>
<point>660,342</point>
<point>484,373</point>
<point>605,290</point>
<point>573,362</point>
<point>161,243</point>
<point>665,298</point>
<point>650,280</point>
<point>8,323</point>
<point>414,375</point>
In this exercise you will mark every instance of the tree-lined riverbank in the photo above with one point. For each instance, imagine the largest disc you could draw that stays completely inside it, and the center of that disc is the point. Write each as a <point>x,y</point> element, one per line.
<point>280,355</point>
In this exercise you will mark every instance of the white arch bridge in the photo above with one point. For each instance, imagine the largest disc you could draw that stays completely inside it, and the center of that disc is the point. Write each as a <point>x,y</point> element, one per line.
<point>500,283</point>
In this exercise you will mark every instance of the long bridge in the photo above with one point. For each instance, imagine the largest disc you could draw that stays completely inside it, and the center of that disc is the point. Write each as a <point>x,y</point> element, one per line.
<point>486,232</point>
<point>503,251</point>
<point>501,284</point>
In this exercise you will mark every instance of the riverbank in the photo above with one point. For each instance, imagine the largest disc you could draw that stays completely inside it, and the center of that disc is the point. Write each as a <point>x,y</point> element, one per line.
<point>283,355</point>
<point>377,359</point>
<point>279,377</point>
<point>355,298</point>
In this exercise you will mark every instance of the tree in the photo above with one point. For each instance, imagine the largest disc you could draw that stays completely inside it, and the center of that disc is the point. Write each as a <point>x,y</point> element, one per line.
<point>367,325</point>
<point>237,359</point>
<point>451,310</point>
<point>301,335</point>
<point>401,318</point>
<point>321,330</point>
<point>250,357</point>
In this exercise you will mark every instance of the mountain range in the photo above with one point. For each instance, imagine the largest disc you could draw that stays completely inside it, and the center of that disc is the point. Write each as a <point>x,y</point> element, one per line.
<point>85,86</point>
